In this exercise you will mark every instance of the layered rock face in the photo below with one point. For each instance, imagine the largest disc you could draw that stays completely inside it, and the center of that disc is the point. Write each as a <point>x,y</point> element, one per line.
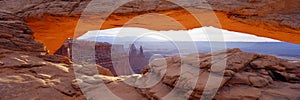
<point>23,67</point>
<point>112,57</point>
<point>16,35</point>
<point>26,71</point>
<point>137,59</point>
<point>101,51</point>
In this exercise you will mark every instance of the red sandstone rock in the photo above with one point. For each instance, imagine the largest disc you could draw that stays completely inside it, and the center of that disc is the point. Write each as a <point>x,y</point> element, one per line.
<point>242,78</point>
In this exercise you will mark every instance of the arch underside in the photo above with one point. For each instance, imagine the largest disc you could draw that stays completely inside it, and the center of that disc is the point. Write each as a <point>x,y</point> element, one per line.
<point>54,30</point>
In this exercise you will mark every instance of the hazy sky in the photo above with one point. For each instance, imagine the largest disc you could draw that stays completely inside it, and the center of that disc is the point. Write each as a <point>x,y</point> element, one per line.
<point>197,34</point>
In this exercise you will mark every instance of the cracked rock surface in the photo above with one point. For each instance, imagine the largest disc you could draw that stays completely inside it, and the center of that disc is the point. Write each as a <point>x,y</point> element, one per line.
<point>178,78</point>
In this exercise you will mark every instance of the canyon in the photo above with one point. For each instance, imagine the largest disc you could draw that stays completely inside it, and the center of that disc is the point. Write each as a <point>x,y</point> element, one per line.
<point>32,30</point>
<point>113,57</point>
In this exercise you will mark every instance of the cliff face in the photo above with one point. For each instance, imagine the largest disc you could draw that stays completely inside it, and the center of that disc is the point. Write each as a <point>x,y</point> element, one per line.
<point>112,57</point>
<point>17,36</point>
<point>137,59</point>
<point>102,53</point>
<point>27,71</point>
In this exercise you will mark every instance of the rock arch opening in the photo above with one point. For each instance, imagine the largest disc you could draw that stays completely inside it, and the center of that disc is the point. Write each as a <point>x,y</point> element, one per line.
<point>54,30</point>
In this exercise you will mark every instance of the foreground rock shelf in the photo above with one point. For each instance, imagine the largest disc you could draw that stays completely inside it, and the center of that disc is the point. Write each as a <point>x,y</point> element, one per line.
<point>246,76</point>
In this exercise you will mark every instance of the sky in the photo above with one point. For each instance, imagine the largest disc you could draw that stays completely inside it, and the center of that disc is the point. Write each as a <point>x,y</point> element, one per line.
<point>198,34</point>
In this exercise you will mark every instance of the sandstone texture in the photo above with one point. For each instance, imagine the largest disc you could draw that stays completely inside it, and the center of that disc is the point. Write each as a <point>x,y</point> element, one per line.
<point>16,35</point>
<point>243,76</point>
<point>27,71</point>
<point>277,12</point>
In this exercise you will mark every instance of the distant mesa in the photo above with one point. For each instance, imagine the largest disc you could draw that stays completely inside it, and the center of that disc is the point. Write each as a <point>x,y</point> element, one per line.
<point>137,58</point>
<point>114,57</point>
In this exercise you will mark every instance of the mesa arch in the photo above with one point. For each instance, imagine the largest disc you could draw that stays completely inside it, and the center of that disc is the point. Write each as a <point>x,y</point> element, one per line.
<point>52,30</point>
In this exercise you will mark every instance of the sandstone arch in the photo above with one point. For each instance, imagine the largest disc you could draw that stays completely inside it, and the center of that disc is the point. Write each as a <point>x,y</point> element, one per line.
<point>277,19</point>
